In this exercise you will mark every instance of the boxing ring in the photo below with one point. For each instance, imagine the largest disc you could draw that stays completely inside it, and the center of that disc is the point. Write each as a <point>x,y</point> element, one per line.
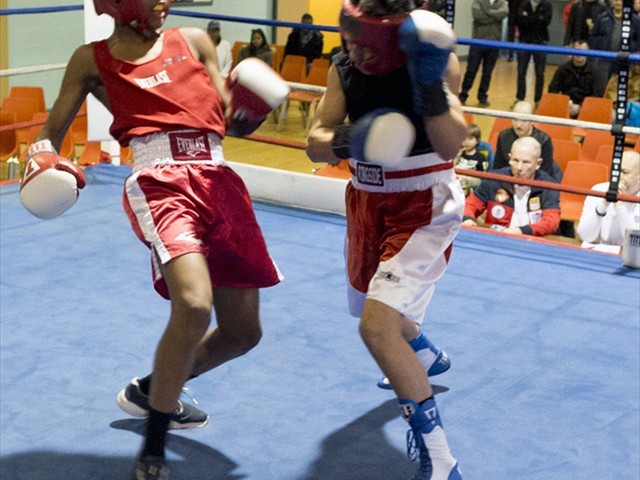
<point>544,341</point>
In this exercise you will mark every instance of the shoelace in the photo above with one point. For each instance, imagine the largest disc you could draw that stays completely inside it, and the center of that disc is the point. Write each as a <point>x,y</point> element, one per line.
<point>415,444</point>
<point>413,449</point>
<point>185,390</point>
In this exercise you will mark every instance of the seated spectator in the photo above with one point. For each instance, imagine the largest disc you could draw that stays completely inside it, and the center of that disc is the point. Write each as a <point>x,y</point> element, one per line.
<point>525,128</point>
<point>223,48</point>
<point>581,18</point>
<point>577,78</point>
<point>513,208</point>
<point>305,41</point>
<point>470,158</point>
<point>606,222</point>
<point>607,31</point>
<point>257,48</point>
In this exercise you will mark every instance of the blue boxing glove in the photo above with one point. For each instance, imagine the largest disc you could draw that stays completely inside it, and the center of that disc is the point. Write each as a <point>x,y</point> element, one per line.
<point>427,40</point>
<point>384,136</point>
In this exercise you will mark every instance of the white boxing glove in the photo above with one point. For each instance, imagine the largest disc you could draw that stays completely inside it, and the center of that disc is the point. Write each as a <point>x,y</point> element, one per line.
<point>384,136</point>
<point>51,183</point>
<point>256,90</point>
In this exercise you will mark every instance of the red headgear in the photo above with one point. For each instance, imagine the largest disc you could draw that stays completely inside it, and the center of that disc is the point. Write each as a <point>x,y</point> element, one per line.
<point>377,34</point>
<point>129,12</point>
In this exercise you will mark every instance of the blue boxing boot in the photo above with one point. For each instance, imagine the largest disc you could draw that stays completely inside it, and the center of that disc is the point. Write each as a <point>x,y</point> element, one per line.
<point>427,443</point>
<point>434,360</point>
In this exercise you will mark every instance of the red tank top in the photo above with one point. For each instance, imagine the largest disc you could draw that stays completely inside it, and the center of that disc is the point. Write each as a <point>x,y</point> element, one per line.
<point>171,92</point>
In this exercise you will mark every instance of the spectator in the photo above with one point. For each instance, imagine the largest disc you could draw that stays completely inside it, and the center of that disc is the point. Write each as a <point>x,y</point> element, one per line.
<point>533,19</point>
<point>305,41</point>
<point>577,78</point>
<point>471,158</point>
<point>636,6</point>
<point>223,48</point>
<point>257,48</point>
<point>514,5</point>
<point>487,25</point>
<point>513,208</point>
<point>582,17</point>
<point>607,33</point>
<point>633,94</point>
<point>566,11</point>
<point>525,128</point>
<point>438,6</point>
<point>605,221</point>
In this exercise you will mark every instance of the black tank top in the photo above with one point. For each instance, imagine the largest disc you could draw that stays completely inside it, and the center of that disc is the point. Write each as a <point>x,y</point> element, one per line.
<point>365,93</point>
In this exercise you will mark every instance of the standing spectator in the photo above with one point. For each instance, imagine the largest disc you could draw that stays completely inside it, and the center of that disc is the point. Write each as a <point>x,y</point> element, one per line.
<point>513,208</point>
<point>533,19</point>
<point>487,25</point>
<point>582,17</point>
<point>577,78</point>
<point>258,47</point>
<point>607,34</point>
<point>438,6</point>
<point>305,41</point>
<point>608,221</point>
<point>223,48</point>
<point>514,5</point>
<point>525,128</point>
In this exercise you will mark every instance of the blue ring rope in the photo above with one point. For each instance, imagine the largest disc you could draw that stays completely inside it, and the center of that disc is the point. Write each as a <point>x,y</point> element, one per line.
<point>633,57</point>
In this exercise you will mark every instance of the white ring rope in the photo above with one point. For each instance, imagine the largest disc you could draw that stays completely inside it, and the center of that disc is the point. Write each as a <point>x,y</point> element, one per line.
<point>550,120</point>
<point>33,69</point>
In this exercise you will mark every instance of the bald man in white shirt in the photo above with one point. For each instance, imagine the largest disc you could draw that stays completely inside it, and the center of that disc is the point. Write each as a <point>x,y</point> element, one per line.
<point>609,221</point>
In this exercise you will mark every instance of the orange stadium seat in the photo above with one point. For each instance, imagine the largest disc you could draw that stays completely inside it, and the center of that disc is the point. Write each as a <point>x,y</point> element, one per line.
<point>9,145</point>
<point>594,109</point>
<point>553,105</point>
<point>565,151</point>
<point>579,174</point>
<point>592,142</point>
<point>24,109</point>
<point>556,131</point>
<point>37,93</point>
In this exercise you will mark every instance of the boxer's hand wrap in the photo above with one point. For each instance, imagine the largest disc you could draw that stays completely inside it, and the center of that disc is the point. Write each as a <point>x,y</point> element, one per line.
<point>256,90</point>
<point>427,40</point>
<point>340,143</point>
<point>384,136</point>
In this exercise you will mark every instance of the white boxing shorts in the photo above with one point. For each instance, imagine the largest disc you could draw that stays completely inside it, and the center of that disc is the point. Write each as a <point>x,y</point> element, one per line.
<point>398,245</point>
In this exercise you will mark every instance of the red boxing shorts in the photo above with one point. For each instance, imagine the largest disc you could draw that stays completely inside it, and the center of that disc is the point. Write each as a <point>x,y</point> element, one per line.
<point>184,208</point>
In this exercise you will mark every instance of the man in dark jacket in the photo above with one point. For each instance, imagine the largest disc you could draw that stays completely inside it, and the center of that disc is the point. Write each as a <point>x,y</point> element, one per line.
<point>525,128</point>
<point>305,41</point>
<point>577,78</point>
<point>607,33</point>
<point>582,17</point>
<point>533,19</point>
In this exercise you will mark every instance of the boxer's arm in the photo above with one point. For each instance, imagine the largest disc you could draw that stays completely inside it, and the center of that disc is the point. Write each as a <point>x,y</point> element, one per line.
<point>331,112</point>
<point>428,42</point>
<point>81,77</point>
<point>204,50</point>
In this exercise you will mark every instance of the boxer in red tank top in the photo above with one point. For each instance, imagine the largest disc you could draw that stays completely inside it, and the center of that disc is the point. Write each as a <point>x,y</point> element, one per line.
<point>172,106</point>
